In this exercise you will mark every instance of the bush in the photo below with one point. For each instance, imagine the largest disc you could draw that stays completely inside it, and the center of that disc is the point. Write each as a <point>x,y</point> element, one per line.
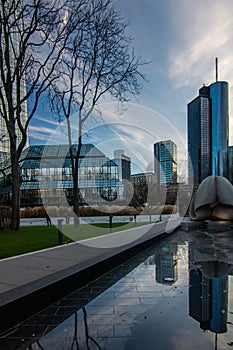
<point>95,210</point>
<point>168,209</point>
<point>26,213</point>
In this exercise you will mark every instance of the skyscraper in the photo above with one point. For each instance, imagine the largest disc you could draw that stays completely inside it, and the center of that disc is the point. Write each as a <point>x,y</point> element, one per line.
<point>165,162</point>
<point>220,127</point>
<point>11,50</point>
<point>124,164</point>
<point>230,163</point>
<point>208,132</point>
<point>199,141</point>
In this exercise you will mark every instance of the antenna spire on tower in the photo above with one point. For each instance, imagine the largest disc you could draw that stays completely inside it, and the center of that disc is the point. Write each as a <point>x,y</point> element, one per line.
<point>216,68</point>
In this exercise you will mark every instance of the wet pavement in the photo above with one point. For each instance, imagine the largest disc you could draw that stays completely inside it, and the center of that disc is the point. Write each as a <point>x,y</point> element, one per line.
<point>177,294</point>
<point>32,281</point>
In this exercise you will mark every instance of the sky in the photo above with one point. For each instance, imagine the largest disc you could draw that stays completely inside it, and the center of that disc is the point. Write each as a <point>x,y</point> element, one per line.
<point>180,39</point>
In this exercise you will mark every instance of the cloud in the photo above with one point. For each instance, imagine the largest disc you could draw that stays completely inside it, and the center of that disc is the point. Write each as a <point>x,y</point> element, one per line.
<point>135,132</point>
<point>203,30</point>
<point>46,134</point>
<point>36,130</point>
<point>45,120</point>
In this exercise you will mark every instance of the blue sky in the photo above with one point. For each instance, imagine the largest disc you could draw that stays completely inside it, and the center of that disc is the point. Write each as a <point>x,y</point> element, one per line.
<point>181,39</point>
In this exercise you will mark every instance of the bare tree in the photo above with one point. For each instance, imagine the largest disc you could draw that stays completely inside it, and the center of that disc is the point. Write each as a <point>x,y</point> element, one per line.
<point>33,35</point>
<point>98,61</point>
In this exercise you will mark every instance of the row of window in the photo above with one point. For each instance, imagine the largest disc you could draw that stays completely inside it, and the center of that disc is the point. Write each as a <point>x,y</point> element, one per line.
<point>56,174</point>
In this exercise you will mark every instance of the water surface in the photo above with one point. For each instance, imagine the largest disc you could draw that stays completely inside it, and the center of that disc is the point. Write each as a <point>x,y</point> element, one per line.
<point>178,294</point>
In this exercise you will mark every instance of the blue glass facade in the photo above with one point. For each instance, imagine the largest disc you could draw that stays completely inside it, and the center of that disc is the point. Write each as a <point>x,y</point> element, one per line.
<point>220,127</point>
<point>199,137</point>
<point>208,133</point>
<point>194,141</point>
<point>165,161</point>
<point>230,163</point>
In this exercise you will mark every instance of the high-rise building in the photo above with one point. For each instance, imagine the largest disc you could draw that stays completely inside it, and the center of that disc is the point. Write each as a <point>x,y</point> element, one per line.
<point>220,127</point>
<point>230,164</point>
<point>124,164</point>
<point>199,142</point>
<point>165,161</point>
<point>208,132</point>
<point>12,42</point>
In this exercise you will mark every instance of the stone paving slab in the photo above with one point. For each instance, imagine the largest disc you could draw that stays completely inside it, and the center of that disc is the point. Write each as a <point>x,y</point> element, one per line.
<point>23,276</point>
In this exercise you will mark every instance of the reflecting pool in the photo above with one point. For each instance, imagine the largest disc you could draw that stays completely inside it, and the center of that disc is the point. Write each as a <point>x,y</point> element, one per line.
<point>178,294</point>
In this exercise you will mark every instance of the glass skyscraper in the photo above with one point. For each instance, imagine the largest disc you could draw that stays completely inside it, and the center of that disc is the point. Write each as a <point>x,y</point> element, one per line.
<point>165,162</point>
<point>220,127</point>
<point>10,47</point>
<point>208,132</point>
<point>230,163</point>
<point>124,164</point>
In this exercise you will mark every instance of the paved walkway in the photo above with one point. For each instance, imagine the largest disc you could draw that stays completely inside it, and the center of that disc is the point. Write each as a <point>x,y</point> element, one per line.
<point>34,274</point>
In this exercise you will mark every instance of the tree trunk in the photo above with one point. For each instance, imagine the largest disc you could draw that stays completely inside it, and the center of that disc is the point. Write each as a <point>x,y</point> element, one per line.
<point>75,179</point>
<point>76,201</point>
<point>15,220</point>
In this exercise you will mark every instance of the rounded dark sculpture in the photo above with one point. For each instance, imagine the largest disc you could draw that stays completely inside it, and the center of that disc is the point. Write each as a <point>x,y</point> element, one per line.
<point>213,200</point>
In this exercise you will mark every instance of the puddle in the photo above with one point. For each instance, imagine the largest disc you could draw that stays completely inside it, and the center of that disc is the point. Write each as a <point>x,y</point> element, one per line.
<point>178,294</point>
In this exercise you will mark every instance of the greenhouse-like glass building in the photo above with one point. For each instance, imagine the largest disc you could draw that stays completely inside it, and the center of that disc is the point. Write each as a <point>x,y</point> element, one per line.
<point>46,177</point>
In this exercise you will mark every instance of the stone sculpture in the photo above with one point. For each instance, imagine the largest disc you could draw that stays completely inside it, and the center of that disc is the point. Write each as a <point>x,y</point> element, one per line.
<point>213,200</point>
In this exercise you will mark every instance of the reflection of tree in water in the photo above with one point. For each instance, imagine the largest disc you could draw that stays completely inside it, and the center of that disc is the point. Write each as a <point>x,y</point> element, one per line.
<point>75,340</point>
<point>88,337</point>
<point>90,341</point>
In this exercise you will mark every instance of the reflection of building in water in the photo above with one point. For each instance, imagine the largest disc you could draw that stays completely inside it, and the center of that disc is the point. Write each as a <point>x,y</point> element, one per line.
<point>199,290</point>
<point>208,291</point>
<point>218,323</point>
<point>166,264</point>
<point>208,301</point>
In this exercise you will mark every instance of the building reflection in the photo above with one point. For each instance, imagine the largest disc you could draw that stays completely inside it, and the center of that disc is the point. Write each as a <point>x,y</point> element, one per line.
<point>208,301</point>
<point>166,267</point>
<point>209,266</point>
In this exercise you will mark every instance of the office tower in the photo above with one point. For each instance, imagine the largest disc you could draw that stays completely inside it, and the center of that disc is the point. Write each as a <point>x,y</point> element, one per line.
<point>230,164</point>
<point>220,127</point>
<point>165,162</point>
<point>199,136</point>
<point>12,42</point>
<point>208,132</point>
<point>124,164</point>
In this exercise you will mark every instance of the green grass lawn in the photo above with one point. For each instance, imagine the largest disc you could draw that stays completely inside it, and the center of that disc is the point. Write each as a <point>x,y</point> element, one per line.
<point>29,239</point>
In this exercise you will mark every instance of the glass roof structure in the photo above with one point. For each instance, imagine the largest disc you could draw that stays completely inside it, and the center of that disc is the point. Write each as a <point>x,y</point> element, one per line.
<point>49,167</point>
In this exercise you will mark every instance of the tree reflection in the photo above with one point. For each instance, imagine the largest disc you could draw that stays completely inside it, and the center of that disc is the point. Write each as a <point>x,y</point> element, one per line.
<point>75,339</point>
<point>87,336</point>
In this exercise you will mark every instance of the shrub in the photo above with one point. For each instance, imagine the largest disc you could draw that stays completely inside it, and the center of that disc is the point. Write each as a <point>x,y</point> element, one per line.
<point>26,212</point>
